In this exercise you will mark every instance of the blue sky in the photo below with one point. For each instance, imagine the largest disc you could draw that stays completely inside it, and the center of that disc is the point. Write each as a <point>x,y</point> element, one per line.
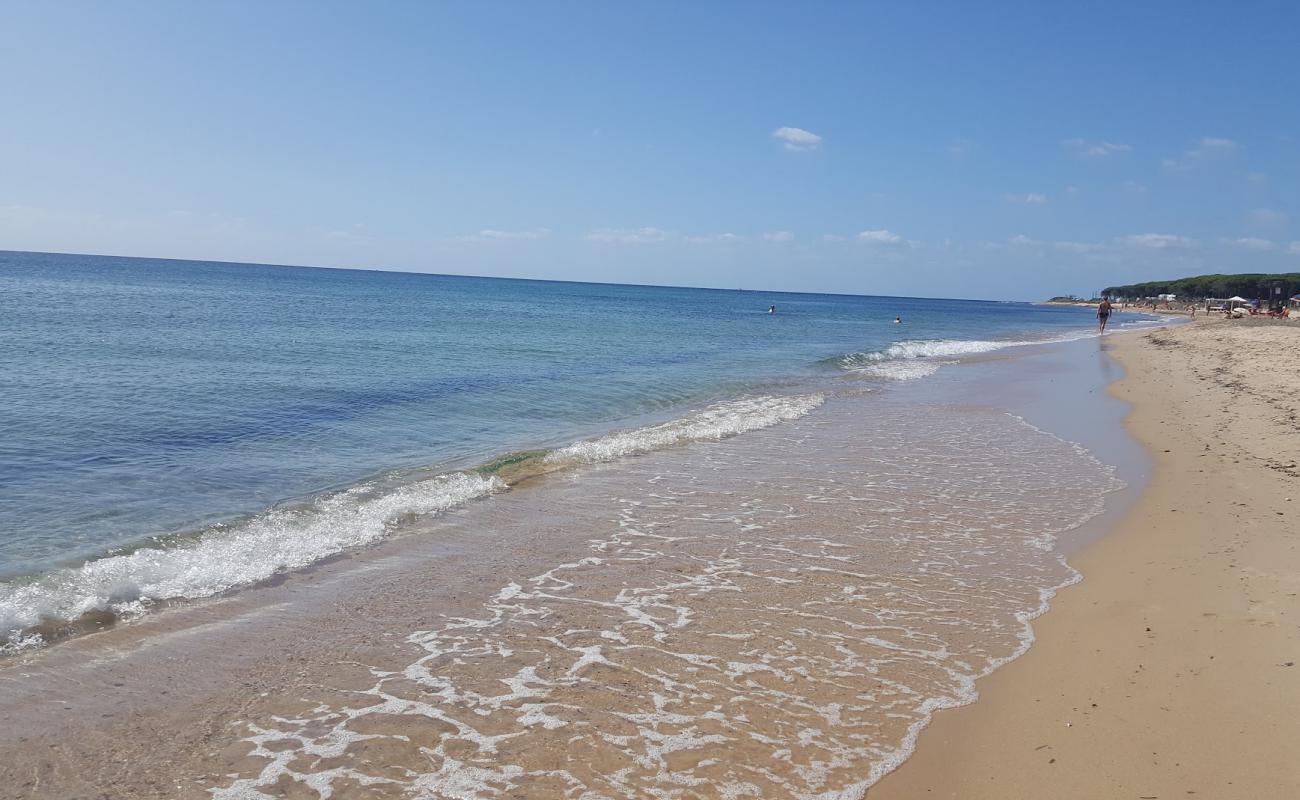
<point>953,149</point>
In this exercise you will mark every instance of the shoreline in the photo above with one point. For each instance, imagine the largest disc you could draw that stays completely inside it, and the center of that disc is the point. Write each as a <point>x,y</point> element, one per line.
<point>1170,670</point>
<point>441,487</point>
<point>270,653</point>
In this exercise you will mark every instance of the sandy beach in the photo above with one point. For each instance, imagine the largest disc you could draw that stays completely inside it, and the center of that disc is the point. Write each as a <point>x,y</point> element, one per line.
<point>762,616</point>
<point>654,401</point>
<point>768,615</point>
<point>1171,670</point>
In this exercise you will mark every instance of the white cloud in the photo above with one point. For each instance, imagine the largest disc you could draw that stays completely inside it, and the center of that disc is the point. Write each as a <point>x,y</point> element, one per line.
<point>1134,187</point>
<point>1082,148</point>
<point>628,235</point>
<point>797,138</point>
<point>1154,241</point>
<point>1211,143</point>
<point>649,235</point>
<point>491,235</point>
<point>1255,243</point>
<point>1206,147</point>
<point>1108,248</point>
<point>958,149</point>
<point>713,238</point>
<point>1031,199</point>
<point>352,234</point>
<point>832,237</point>
<point>880,237</point>
<point>1265,217</point>
<point>1078,247</point>
<point>778,236</point>
<point>1294,249</point>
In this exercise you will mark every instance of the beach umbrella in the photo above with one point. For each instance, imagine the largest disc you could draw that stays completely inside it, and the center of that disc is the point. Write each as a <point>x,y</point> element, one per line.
<point>1237,299</point>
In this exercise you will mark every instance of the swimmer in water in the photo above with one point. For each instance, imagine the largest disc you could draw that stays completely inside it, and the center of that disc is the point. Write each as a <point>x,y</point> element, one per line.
<point>771,309</point>
<point>898,320</point>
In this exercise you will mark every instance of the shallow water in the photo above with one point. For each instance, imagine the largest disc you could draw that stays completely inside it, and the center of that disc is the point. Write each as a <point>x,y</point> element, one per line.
<point>775,615</point>
<point>172,430</point>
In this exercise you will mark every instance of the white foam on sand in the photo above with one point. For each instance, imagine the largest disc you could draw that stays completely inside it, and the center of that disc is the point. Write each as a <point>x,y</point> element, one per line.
<point>771,621</point>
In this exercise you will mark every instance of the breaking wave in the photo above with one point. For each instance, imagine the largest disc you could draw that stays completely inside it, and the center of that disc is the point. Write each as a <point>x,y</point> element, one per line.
<point>220,558</point>
<point>718,421</point>
<point>39,608</point>
<point>911,359</point>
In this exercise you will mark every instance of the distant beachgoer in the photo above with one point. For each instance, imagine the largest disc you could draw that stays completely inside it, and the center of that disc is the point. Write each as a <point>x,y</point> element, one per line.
<point>771,309</point>
<point>898,320</point>
<point>1103,315</point>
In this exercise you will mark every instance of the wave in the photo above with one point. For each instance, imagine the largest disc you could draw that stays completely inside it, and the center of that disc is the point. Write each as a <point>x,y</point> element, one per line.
<point>901,370</point>
<point>718,421</point>
<point>64,602</point>
<point>911,359</point>
<point>924,348</point>
<point>221,558</point>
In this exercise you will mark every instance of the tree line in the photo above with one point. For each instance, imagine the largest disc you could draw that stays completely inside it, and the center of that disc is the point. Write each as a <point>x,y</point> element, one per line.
<point>1248,285</point>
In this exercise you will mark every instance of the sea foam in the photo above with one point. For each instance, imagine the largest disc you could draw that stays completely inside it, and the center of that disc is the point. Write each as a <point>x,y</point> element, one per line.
<point>279,540</point>
<point>227,556</point>
<point>802,603</point>
<point>718,421</point>
<point>911,359</point>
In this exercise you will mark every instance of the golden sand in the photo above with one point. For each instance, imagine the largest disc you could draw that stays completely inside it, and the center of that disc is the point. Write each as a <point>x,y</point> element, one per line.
<point>1173,669</point>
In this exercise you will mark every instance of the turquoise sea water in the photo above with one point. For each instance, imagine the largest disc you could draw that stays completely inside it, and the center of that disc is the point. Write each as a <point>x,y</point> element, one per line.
<point>173,429</point>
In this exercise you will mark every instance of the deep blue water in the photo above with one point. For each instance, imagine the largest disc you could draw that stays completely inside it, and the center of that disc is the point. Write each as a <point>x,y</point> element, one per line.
<point>145,397</point>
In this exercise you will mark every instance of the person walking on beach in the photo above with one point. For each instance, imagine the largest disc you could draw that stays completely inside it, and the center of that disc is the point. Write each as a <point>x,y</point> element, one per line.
<point>1103,315</point>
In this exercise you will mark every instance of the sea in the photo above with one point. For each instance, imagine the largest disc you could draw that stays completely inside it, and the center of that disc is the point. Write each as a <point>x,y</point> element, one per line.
<point>778,548</point>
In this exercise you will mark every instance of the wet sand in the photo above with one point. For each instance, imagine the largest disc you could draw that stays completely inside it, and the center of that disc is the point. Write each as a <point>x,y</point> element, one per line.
<point>772,615</point>
<point>1172,670</point>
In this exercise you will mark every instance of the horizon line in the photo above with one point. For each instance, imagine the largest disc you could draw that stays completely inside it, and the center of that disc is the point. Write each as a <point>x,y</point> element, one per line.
<point>500,278</point>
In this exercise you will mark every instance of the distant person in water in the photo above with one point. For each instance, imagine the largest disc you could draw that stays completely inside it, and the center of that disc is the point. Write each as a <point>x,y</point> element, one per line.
<point>898,320</point>
<point>771,309</point>
<point>1103,315</point>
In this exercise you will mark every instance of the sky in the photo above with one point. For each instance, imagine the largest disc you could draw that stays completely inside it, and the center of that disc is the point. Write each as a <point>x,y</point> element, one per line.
<point>1012,150</point>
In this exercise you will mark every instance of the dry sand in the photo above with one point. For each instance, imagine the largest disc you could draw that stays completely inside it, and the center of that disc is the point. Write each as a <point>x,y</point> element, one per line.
<point>1173,670</point>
